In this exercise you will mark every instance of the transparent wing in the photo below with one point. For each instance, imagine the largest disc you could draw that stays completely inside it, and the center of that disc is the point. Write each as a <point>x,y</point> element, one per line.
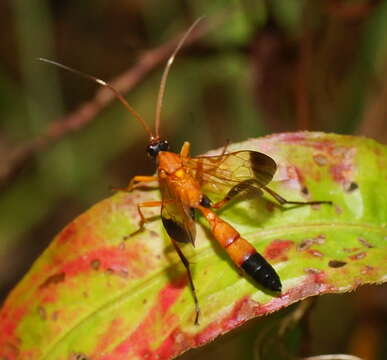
<point>178,218</point>
<point>217,175</point>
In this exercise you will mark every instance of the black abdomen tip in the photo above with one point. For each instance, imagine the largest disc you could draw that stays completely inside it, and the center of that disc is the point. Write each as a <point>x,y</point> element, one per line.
<point>262,272</point>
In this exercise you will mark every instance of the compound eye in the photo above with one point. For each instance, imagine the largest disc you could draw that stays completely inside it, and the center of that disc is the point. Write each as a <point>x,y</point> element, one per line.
<point>164,146</point>
<point>152,151</point>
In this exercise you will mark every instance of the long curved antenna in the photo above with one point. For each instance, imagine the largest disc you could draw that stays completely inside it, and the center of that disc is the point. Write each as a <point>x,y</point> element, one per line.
<point>164,77</point>
<point>104,83</point>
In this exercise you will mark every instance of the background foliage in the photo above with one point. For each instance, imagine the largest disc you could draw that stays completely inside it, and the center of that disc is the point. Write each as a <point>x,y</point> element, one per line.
<point>269,66</point>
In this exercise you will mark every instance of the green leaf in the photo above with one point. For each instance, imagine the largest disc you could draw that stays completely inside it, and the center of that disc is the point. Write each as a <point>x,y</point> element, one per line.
<point>93,296</point>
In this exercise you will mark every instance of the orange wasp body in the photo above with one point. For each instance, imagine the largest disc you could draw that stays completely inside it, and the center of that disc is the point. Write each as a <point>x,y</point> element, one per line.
<point>186,185</point>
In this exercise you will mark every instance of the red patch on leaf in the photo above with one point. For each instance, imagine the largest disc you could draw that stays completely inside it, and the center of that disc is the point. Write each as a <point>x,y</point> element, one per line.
<point>242,311</point>
<point>318,276</point>
<point>9,341</point>
<point>125,262</point>
<point>158,320</point>
<point>109,336</point>
<point>293,137</point>
<point>340,172</point>
<point>173,345</point>
<point>342,169</point>
<point>67,233</point>
<point>277,248</point>
<point>113,259</point>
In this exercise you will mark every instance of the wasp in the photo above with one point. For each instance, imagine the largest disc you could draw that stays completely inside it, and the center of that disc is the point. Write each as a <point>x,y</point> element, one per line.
<point>186,184</point>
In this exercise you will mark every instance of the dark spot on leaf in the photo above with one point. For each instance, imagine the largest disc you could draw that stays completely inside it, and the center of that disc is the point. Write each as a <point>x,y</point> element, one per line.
<point>55,315</point>
<point>270,206</point>
<point>305,190</point>
<point>320,239</point>
<point>53,280</point>
<point>304,244</point>
<point>123,273</point>
<point>109,271</point>
<point>336,263</point>
<point>307,243</point>
<point>367,269</point>
<point>144,301</point>
<point>313,271</point>
<point>42,312</point>
<point>95,264</point>
<point>358,256</point>
<point>320,159</point>
<point>350,250</point>
<point>78,356</point>
<point>338,210</point>
<point>153,233</point>
<point>315,253</point>
<point>350,186</point>
<point>364,242</point>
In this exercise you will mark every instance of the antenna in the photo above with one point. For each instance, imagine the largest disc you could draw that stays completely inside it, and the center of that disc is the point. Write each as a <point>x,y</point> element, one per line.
<point>163,81</point>
<point>105,84</point>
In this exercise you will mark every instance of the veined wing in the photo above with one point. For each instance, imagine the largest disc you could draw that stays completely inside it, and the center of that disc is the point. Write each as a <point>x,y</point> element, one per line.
<point>177,218</point>
<point>217,175</point>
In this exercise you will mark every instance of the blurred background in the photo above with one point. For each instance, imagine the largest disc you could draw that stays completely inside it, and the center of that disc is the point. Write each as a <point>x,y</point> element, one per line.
<point>254,67</point>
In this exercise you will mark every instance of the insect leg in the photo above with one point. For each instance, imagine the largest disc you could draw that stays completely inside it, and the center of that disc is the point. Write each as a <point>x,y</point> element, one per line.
<point>184,152</point>
<point>186,265</point>
<point>242,187</point>
<point>143,220</point>
<point>283,201</point>
<point>135,180</point>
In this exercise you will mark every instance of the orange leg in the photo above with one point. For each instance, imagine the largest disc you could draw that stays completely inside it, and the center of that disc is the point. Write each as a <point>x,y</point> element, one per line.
<point>184,152</point>
<point>143,220</point>
<point>134,182</point>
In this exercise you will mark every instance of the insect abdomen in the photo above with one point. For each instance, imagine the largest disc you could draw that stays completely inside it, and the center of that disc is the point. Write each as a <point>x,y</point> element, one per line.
<point>242,252</point>
<point>262,272</point>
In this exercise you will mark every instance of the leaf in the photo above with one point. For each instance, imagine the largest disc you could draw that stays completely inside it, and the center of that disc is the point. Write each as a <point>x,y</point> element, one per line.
<point>93,296</point>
